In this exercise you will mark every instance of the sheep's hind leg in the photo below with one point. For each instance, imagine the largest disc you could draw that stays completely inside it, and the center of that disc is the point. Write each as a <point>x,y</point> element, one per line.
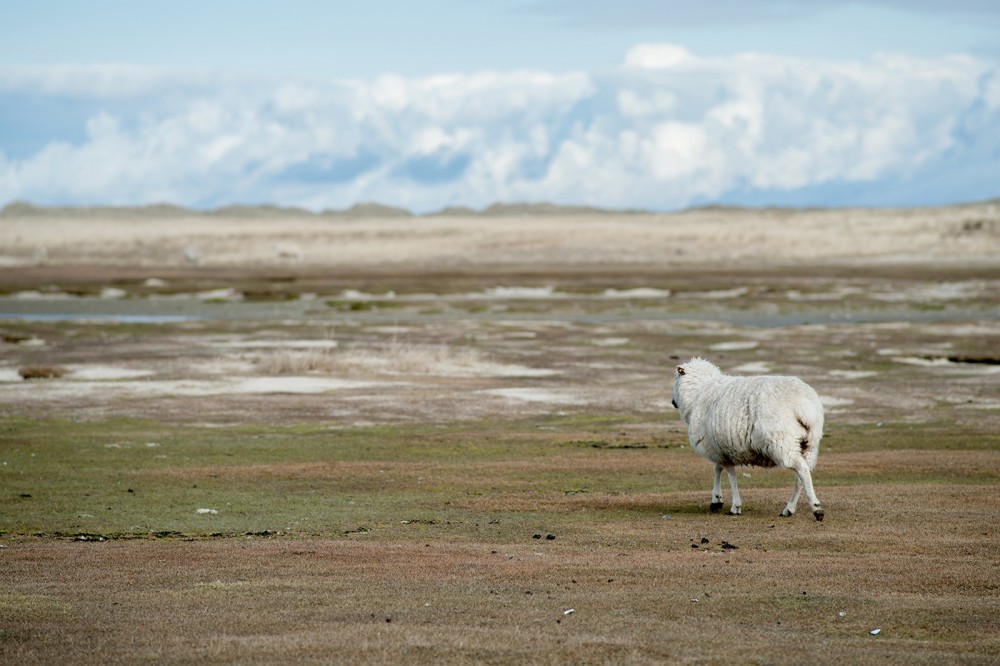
<point>716,504</point>
<point>805,480</point>
<point>794,499</point>
<point>737,507</point>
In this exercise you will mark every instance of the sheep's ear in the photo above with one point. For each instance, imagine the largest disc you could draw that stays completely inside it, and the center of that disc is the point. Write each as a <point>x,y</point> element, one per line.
<point>680,369</point>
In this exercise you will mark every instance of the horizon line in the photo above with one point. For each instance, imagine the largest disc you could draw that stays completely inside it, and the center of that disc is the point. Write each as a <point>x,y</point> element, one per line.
<point>21,208</point>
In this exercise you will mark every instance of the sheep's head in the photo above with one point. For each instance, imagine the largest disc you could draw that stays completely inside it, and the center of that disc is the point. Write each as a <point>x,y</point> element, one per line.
<point>687,376</point>
<point>678,373</point>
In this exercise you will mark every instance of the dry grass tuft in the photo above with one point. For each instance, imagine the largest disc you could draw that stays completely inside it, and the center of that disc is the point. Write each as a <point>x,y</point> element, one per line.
<point>298,362</point>
<point>393,358</point>
<point>416,359</point>
<point>29,372</point>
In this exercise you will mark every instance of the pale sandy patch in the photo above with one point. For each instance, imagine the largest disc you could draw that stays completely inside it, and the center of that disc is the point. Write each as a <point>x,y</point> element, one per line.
<point>112,293</point>
<point>937,362</point>
<point>35,295</point>
<point>68,388</point>
<point>225,294</point>
<point>990,328</point>
<point>10,375</point>
<point>638,292</point>
<point>718,294</point>
<point>105,372</point>
<point>736,237</point>
<point>831,402</point>
<point>754,368</point>
<point>446,367</point>
<point>279,344</point>
<point>942,291</point>
<point>736,345</point>
<point>355,295</point>
<point>523,292</point>
<point>536,395</point>
<point>833,295</point>
<point>298,385</point>
<point>609,342</point>
<point>853,374</point>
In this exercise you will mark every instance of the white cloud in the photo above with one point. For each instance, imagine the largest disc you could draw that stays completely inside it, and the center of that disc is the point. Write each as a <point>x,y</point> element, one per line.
<point>658,56</point>
<point>667,129</point>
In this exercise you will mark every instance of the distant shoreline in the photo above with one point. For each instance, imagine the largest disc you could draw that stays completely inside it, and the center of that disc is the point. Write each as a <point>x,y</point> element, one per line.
<point>376,210</point>
<point>373,237</point>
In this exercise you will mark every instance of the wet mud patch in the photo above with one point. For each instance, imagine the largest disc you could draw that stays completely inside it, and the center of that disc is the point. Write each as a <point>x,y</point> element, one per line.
<point>975,360</point>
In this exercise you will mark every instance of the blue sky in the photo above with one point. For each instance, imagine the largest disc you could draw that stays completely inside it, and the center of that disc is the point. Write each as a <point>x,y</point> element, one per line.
<point>627,104</point>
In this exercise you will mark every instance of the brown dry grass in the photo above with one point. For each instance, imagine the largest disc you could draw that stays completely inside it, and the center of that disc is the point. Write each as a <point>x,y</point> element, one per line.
<point>915,559</point>
<point>639,591</point>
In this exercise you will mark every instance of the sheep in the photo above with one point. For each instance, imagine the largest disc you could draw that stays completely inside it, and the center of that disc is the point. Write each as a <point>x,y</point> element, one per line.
<point>765,421</point>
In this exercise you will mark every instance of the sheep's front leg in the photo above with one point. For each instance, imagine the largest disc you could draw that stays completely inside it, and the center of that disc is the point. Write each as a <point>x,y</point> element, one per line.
<point>716,504</point>
<point>737,507</point>
<point>794,499</point>
<point>805,480</point>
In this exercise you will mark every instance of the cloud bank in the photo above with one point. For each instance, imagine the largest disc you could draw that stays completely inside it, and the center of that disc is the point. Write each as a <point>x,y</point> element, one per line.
<point>665,129</point>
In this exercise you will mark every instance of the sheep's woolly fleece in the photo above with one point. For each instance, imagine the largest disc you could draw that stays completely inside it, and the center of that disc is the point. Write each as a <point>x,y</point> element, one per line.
<point>762,420</point>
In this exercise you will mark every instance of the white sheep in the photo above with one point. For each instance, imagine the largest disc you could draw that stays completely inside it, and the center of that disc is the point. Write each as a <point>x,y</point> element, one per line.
<point>764,421</point>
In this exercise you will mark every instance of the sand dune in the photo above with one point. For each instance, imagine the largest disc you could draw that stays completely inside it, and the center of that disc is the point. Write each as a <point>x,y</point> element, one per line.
<point>500,235</point>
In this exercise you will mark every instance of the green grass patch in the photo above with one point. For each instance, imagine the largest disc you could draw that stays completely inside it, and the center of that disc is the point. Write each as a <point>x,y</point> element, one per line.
<point>121,478</point>
<point>938,436</point>
<point>128,478</point>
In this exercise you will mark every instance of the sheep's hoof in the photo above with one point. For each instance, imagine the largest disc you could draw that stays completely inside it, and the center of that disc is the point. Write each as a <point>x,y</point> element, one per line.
<point>819,514</point>
<point>736,510</point>
<point>786,514</point>
<point>715,507</point>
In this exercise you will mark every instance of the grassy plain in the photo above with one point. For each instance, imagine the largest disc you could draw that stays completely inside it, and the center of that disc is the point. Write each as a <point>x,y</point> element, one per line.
<point>479,464</point>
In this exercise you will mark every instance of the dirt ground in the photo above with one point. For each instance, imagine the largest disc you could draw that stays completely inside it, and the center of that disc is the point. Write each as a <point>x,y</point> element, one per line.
<point>302,440</point>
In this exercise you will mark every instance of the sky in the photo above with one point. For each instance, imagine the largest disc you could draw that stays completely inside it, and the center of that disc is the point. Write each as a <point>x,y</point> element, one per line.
<point>649,104</point>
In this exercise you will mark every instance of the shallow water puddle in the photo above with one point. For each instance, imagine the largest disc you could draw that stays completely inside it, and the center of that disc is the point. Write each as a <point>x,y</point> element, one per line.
<point>536,395</point>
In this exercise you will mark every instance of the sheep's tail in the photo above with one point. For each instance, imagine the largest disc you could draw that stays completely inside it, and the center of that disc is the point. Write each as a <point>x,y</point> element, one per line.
<point>810,417</point>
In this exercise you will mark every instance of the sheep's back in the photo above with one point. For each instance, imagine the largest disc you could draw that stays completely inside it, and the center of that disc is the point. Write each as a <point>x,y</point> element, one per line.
<point>746,420</point>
